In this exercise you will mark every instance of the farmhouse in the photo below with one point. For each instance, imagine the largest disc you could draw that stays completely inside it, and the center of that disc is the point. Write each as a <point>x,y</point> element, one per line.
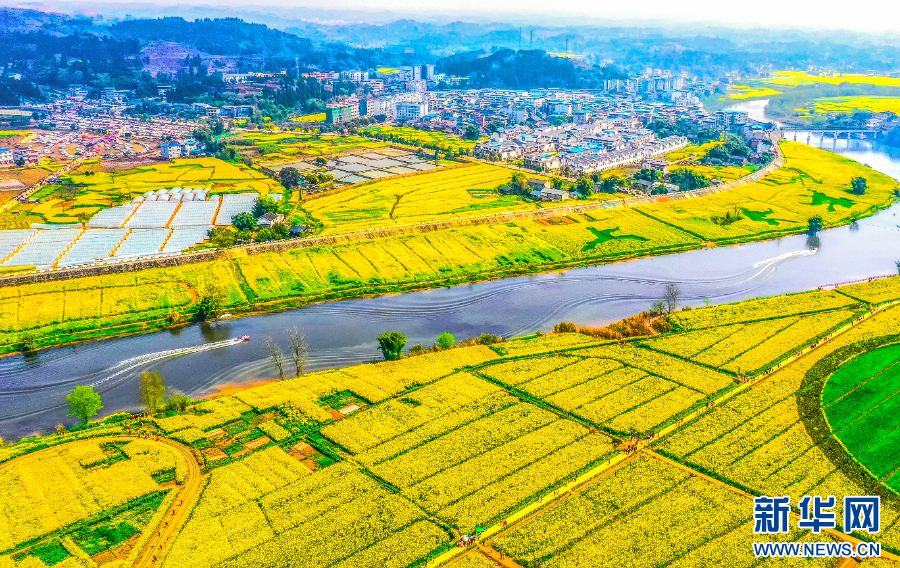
<point>270,220</point>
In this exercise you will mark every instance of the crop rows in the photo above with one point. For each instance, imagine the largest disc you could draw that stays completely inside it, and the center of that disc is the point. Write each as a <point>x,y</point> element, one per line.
<point>677,370</point>
<point>331,516</point>
<point>394,417</point>
<point>43,492</point>
<point>761,309</point>
<point>464,443</point>
<point>874,292</point>
<point>794,336</point>
<point>759,440</point>
<point>454,483</point>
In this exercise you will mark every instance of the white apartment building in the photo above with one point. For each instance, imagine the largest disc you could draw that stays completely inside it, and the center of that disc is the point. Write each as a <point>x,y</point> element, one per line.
<point>410,110</point>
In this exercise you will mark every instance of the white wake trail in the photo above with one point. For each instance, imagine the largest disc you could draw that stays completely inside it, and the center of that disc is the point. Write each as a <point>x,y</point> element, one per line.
<point>129,365</point>
<point>775,260</point>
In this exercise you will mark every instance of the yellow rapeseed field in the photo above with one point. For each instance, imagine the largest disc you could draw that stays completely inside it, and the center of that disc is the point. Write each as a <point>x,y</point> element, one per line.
<point>468,437</point>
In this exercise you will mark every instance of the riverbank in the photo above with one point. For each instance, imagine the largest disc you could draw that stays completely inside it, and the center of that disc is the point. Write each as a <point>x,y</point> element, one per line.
<point>812,183</point>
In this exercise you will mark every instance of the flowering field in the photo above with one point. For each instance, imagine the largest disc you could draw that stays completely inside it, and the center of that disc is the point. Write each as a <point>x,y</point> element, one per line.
<point>758,438</point>
<point>875,292</point>
<point>761,309</point>
<point>450,441</point>
<point>812,182</point>
<point>48,490</point>
<point>462,191</point>
<point>647,512</point>
<point>333,516</point>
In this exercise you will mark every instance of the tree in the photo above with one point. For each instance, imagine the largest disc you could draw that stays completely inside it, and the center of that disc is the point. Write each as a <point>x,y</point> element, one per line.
<point>275,355</point>
<point>84,402</point>
<point>289,177</point>
<point>673,294</point>
<point>687,180</point>
<point>392,344</point>
<point>815,224</point>
<point>177,400</point>
<point>244,222</point>
<point>264,205</point>
<point>657,307</point>
<point>858,185</point>
<point>472,132</point>
<point>584,186</point>
<point>520,183</point>
<point>446,340</point>
<point>557,183</point>
<point>649,175</point>
<point>898,266</point>
<point>223,237</point>
<point>27,343</point>
<point>152,390</point>
<point>320,161</point>
<point>612,184</point>
<point>212,299</point>
<point>299,349</point>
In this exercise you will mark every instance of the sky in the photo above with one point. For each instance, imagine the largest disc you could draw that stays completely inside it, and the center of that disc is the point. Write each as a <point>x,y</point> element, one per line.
<point>860,15</point>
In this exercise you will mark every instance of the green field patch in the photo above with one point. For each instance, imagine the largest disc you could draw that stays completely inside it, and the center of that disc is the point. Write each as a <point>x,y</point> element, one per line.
<point>862,403</point>
<point>50,553</point>
<point>107,533</point>
<point>760,216</point>
<point>822,199</point>
<point>606,235</point>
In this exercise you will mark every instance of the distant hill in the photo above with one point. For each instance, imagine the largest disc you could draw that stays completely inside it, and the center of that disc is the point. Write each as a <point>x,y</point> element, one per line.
<point>227,36</point>
<point>523,69</point>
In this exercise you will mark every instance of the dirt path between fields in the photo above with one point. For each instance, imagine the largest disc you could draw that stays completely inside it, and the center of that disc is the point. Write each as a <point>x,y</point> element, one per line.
<point>177,515</point>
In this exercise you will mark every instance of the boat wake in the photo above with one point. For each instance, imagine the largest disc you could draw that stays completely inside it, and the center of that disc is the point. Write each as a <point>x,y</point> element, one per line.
<point>129,365</point>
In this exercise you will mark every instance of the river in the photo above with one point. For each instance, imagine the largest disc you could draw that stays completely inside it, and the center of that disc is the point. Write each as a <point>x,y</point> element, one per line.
<point>199,360</point>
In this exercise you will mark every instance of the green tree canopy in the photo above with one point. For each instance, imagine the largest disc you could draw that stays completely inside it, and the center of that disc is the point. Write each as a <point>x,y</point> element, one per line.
<point>244,222</point>
<point>858,185</point>
<point>687,179</point>
<point>223,237</point>
<point>84,402</point>
<point>289,177</point>
<point>392,344</point>
<point>446,340</point>
<point>264,205</point>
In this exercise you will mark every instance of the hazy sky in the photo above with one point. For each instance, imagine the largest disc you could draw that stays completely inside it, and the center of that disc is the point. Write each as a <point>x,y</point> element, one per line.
<point>862,15</point>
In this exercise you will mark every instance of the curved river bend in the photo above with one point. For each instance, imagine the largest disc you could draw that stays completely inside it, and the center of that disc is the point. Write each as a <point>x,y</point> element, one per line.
<point>198,359</point>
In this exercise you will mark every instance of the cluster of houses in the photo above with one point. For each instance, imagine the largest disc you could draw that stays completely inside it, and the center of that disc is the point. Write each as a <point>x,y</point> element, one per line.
<point>578,149</point>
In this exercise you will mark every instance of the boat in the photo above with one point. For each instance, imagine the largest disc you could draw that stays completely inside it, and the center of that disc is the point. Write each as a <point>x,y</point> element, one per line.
<point>243,338</point>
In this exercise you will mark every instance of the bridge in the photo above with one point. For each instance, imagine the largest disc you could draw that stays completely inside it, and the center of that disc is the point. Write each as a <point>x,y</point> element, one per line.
<point>834,133</point>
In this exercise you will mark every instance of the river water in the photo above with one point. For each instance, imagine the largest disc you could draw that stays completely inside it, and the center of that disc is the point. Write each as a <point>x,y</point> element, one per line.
<point>198,359</point>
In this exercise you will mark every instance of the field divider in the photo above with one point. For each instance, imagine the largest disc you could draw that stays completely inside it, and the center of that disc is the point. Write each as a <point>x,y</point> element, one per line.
<point>529,510</point>
<point>643,446</point>
<point>838,535</point>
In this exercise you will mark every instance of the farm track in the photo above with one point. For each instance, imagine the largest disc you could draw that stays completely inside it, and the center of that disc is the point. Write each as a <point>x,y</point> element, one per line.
<point>187,494</point>
<point>171,524</point>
